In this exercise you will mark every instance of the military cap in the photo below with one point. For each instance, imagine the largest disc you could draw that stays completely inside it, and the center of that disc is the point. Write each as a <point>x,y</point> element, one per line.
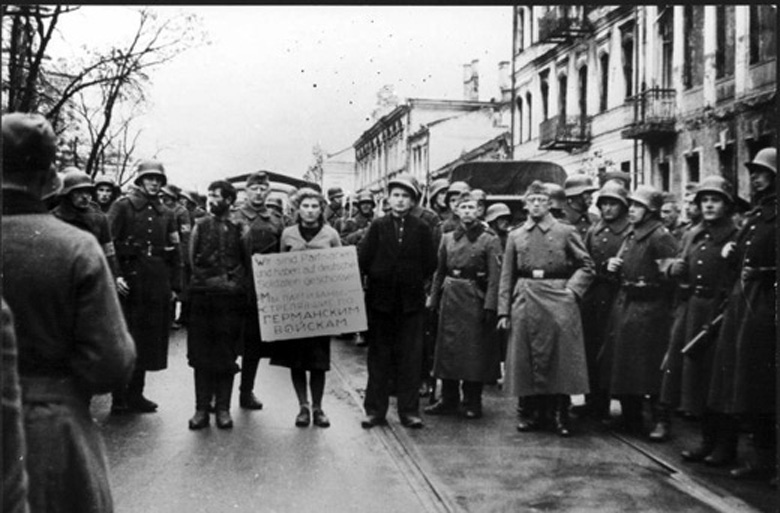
<point>74,178</point>
<point>29,143</point>
<point>578,184</point>
<point>537,187</point>
<point>149,168</point>
<point>765,160</point>
<point>715,184</point>
<point>556,193</point>
<point>497,210</point>
<point>260,177</point>
<point>335,192</point>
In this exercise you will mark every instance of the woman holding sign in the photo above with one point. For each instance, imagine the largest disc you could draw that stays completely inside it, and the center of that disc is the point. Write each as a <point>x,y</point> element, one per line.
<point>308,354</point>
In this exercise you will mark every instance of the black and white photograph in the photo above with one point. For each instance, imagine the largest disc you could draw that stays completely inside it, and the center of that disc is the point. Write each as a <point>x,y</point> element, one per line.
<point>389,258</point>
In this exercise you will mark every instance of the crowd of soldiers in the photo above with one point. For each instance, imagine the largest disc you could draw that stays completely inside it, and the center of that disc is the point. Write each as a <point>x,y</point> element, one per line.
<point>614,301</point>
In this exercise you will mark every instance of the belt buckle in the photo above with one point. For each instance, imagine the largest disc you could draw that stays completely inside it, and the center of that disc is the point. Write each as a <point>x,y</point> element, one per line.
<point>538,274</point>
<point>456,273</point>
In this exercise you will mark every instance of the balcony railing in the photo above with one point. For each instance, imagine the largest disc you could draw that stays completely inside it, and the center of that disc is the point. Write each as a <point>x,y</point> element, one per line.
<point>564,132</point>
<point>563,23</point>
<point>653,115</point>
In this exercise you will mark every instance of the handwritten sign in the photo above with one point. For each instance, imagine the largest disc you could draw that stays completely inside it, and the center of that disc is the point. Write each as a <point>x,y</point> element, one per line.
<point>309,293</point>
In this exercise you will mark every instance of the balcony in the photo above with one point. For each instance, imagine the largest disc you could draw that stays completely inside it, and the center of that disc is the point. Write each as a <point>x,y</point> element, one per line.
<point>564,133</point>
<point>653,118</point>
<point>563,23</point>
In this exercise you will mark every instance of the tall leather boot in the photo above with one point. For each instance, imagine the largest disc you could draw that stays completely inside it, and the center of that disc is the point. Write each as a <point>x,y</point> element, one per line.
<point>726,439</point>
<point>709,429</point>
<point>224,391</point>
<point>662,422</point>
<point>561,414</point>
<point>204,390</point>
<point>527,413</point>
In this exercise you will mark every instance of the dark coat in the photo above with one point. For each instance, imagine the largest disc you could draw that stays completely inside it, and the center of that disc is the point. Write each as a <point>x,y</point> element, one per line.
<point>147,242</point>
<point>464,287</point>
<point>218,292</point>
<point>396,273</point>
<point>702,290</point>
<point>354,229</point>
<point>744,371</point>
<point>641,317</point>
<point>73,342</point>
<point>95,222</point>
<point>581,221</point>
<point>545,353</point>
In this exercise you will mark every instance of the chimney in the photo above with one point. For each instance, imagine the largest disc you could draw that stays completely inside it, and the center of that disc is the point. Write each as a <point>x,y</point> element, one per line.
<point>466,81</point>
<point>504,82</point>
<point>474,80</point>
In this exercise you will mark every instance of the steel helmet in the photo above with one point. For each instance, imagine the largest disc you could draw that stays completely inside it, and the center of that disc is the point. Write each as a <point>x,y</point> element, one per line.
<point>617,175</point>
<point>190,196</point>
<point>478,195</point>
<point>439,185</point>
<point>74,178</point>
<point>495,211</point>
<point>29,143</point>
<point>274,201</point>
<point>172,191</point>
<point>148,168</point>
<point>105,180</point>
<point>578,184</point>
<point>407,182</point>
<point>615,190</point>
<point>765,160</point>
<point>716,184</point>
<point>334,192</point>
<point>557,194</point>
<point>648,196</point>
<point>365,197</point>
<point>458,188</point>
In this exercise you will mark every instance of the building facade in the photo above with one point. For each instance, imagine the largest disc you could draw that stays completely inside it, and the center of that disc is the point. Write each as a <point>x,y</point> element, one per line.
<point>670,94</point>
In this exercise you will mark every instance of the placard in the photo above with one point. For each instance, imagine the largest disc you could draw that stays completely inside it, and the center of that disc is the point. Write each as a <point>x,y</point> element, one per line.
<point>312,293</point>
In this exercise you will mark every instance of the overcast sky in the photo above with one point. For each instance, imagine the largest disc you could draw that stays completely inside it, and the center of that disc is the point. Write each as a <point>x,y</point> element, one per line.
<point>275,81</point>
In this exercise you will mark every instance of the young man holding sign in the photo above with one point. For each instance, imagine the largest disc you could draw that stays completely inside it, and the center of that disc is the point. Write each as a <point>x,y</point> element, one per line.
<point>397,256</point>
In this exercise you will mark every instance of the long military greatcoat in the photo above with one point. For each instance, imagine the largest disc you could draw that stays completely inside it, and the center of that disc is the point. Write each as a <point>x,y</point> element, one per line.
<point>744,372</point>
<point>147,244</point>
<point>465,285</point>
<point>641,317</point>
<point>545,272</point>
<point>702,290</point>
<point>72,342</point>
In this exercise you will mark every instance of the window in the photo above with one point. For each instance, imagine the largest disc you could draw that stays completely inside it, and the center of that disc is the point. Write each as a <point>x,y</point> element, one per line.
<point>520,29</point>
<point>666,35</point>
<point>693,50</point>
<point>762,33</point>
<point>604,68</point>
<point>728,167</point>
<point>528,107</point>
<point>583,85</point>
<point>563,83</point>
<point>692,161</point>
<point>520,119</point>
<point>627,47</point>
<point>625,166</point>
<point>544,89</point>
<point>663,172</point>
<point>724,38</point>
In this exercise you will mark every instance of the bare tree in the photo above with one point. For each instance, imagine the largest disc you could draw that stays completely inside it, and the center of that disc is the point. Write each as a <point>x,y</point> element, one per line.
<point>314,172</point>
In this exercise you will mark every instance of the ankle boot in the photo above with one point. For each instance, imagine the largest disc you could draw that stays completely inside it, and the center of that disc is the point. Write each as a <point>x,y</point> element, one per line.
<point>662,423</point>
<point>707,443</point>
<point>725,451</point>
<point>561,415</point>
<point>224,391</point>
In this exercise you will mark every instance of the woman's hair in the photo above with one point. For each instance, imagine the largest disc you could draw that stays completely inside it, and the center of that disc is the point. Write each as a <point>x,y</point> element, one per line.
<point>305,193</point>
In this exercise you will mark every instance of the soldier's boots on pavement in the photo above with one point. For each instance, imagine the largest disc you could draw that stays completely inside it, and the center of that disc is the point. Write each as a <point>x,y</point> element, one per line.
<point>709,431</point>
<point>662,423</point>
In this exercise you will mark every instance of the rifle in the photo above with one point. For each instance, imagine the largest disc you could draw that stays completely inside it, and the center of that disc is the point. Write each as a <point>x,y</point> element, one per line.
<point>708,330</point>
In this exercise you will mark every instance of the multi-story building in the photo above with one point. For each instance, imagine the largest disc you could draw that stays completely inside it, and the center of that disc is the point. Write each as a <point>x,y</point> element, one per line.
<point>338,170</point>
<point>424,137</point>
<point>669,93</point>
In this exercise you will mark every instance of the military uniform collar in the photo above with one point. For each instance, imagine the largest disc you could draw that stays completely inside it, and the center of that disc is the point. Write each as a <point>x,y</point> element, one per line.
<point>471,232</point>
<point>617,226</point>
<point>251,212</point>
<point>544,224</point>
<point>21,202</point>
<point>720,230</point>
<point>766,208</point>
<point>646,228</point>
<point>140,199</point>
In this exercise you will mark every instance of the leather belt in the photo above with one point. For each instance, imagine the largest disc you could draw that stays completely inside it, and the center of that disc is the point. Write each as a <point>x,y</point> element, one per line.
<point>466,274</point>
<point>541,274</point>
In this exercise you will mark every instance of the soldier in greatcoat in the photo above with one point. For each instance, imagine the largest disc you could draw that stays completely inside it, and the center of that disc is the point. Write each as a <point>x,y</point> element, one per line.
<point>356,226</point>
<point>218,290</point>
<point>71,336</point>
<point>76,208</point>
<point>544,274</point>
<point>147,243</point>
<point>704,280</point>
<point>745,371</point>
<point>396,257</point>
<point>451,198</point>
<point>335,213</point>
<point>261,230</point>
<point>437,199</point>
<point>579,191</point>
<point>602,241</point>
<point>465,292</point>
<point>638,332</point>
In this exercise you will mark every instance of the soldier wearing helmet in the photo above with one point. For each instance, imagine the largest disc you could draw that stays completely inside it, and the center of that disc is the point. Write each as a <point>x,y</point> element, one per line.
<point>557,201</point>
<point>703,279</point>
<point>106,192</point>
<point>579,190</point>
<point>76,208</point>
<point>602,241</point>
<point>437,198</point>
<point>148,245</point>
<point>356,226</point>
<point>498,216</point>
<point>452,198</point>
<point>743,382</point>
<point>397,257</point>
<point>641,316</point>
<point>335,212</point>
